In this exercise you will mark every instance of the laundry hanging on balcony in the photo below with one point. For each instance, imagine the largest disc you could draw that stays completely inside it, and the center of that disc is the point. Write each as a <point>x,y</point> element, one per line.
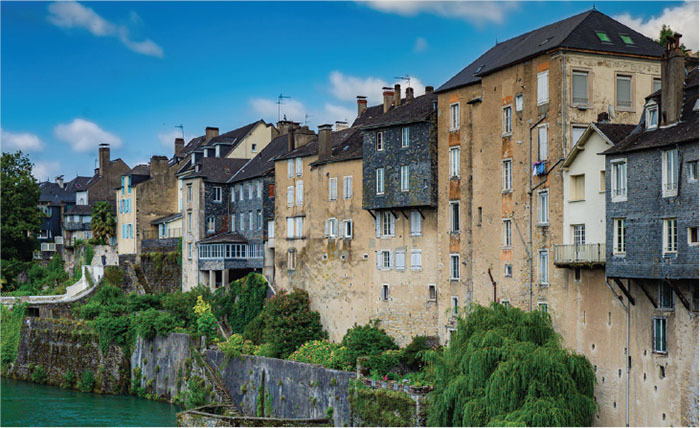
<point>539,168</point>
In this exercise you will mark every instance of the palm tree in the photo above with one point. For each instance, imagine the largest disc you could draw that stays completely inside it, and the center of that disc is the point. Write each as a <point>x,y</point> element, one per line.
<point>103,221</point>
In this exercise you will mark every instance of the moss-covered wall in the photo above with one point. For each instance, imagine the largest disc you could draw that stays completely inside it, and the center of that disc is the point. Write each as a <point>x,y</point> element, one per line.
<point>162,271</point>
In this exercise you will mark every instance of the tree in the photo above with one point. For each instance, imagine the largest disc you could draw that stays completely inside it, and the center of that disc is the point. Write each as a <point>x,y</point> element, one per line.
<point>664,34</point>
<point>506,367</point>
<point>103,222</point>
<point>21,217</point>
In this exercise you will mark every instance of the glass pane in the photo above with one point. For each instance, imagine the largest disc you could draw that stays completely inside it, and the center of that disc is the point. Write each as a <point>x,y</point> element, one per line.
<point>580,88</point>
<point>624,98</point>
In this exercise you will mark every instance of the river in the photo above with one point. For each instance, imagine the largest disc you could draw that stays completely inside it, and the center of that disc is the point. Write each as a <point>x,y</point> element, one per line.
<point>31,404</point>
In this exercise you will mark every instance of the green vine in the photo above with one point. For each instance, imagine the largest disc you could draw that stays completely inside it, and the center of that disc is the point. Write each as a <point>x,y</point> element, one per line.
<point>380,407</point>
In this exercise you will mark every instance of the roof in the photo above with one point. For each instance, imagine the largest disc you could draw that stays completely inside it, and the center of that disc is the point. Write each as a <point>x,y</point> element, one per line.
<point>235,136</point>
<point>577,32</point>
<point>349,147</point>
<point>79,210</point>
<point>217,170</point>
<point>264,162</point>
<point>612,133</point>
<point>52,193</point>
<point>141,169</point>
<point>191,146</point>
<point>78,184</point>
<point>685,130</point>
<point>308,149</point>
<point>416,110</point>
<point>167,219</point>
<point>224,237</point>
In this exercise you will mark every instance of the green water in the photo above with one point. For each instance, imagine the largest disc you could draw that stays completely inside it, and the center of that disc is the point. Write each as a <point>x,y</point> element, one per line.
<point>30,404</point>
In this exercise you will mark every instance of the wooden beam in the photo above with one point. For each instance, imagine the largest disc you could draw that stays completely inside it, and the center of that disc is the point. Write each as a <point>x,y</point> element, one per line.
<point>646,293</point>
<point>404,214</point>
<point>372,214</point>
<point>421,213</point>
<point>624,290</point>
<point>680,295</point>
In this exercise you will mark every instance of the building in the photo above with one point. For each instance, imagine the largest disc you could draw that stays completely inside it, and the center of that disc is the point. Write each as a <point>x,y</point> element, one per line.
<point>652,247</point>
<point>55,200</point>
<point>107,178</point>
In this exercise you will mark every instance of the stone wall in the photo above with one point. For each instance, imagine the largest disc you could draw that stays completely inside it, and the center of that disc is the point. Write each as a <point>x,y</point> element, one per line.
<point>60,345</point>
<point>162,272</point>
<point>161,363</point>
<point>164,245</point>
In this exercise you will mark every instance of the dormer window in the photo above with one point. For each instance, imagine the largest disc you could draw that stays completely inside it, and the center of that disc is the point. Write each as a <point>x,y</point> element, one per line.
<point>478,70</point>
<point>218,151</point>
<point>652,118</point>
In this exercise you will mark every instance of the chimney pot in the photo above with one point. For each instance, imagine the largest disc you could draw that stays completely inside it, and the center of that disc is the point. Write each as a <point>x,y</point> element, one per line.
<point>409,94</point>
<point>59,181</point>
<point>340,125</point>
<point>388,94</point>
<point>210,133</point>
<point>397,95</point>
<point>361,105</point>
<point>179,145</point>
<point>324,141</point>
<point>429,90</point>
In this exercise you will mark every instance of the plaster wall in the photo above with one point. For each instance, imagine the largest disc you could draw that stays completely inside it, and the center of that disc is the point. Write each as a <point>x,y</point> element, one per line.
<point>191,235</point>
<point>260,136</point>
<point>126,245</point>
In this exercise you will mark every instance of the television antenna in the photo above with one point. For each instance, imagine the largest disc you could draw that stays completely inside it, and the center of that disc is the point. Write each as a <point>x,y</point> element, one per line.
<point>306,118</point>
<point>406,78</point>
<point>182,129</point>
<point>280,101</point>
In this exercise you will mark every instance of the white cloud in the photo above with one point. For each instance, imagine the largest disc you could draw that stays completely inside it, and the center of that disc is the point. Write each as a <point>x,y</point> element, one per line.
<point>333,113</point>
<point>70,14</point>
<point>347,88</point>
<point>83,135</point>
<point>292,109</point>
<point>682,19</point>
<point>45,170</point>
<point>24,141</point>
<point>421,45</point>
<point>476,12</point>
<point>167,139</point>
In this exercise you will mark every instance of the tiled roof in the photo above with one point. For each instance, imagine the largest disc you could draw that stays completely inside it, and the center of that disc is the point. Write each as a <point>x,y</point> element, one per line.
<point>79,210</point>
<point>225,237</point>
<point>416,110</point>
<point>264,162</point>
<point>349,147</point>
<point>576,32</point>
<point>217,170</point>
<point>167,219</point>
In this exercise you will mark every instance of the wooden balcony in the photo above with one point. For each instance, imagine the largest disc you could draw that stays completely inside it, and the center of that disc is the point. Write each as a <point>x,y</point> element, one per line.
<point>579,255</point>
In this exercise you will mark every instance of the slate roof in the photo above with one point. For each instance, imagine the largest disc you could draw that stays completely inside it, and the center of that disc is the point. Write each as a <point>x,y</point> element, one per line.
<point>686,130</point>
<point>615,132</point>
<point>416,110</point>
<point>78,184</point>
<point>79,210</point>
<point>167,219</point>
<point>235,136</point>
<point>217,170</point>
<point>308,149</point>
<point>141,169</point>
<point>191,146</point>
<point>51,193</point>
<point>349,147</point>
<point>575,32</point>
<point>263,162</point>
<point>224,237</point>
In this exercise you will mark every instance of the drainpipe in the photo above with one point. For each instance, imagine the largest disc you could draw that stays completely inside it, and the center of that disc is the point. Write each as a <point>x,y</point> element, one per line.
<point>529,173</point>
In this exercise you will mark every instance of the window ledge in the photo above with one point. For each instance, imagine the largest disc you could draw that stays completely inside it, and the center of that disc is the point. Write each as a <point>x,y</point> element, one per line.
<point>507,134</point>
<point>668,194</point>
<point>543,224</point>
<point>506,191</point>
<point>454,279</point>
<point>577,200</point>
<point>455,177</point>
<point>619,199</point>
<point>671,254</point>
<point>620,255</point>
<point>418,235</point>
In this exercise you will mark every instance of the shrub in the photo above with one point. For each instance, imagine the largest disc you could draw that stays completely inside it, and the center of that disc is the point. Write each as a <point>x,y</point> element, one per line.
<point>197,393</point>
<point>68,380</point>
<point>38,374</point>
<point>236,346</point>
<point>86,383</point>
<point>180,305</point>
<point>10,328</point>
<point>89,254</point>
<point>90,310</point>
<point>113,276</point>
<point>141,302</point>
<point>315,352</point>
<point>380,407</point>
<point>383,363</point>
<point>254,330</point>
<point>206,322</point>
<point>412,354</point>
<point>241,302</point>
<point>363,340</point>
<point>116,330</point>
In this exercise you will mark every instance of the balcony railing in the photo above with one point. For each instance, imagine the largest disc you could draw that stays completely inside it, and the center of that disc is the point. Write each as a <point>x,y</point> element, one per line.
<point>169,233</point>
<point>73,226</point>
<point>579,255</point>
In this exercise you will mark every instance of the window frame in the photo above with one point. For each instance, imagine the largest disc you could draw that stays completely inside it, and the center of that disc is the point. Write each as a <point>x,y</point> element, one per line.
<point>455,306</point>
<point>299,163</point>
<point>574,195</point>
<point>417,222</point>
<point>519,102</point>
<point>507,120</point>
<point>651,106</point>
<point>217,194</point>
<point>211,224</point>
<point>404,178</point>
<point>299,192</point>
<point>290,196</point>
<point>689,232</point>
<point>345,224</point>
<point>669,189</point>
<point>385,292</point>
<point>418,252</point>
<point>379,189</point>
<point>619,236</point>
<point>432,292</point>
<point>455,217</point>
<point>663,322</point>
<point>543,95</point>
<point>507,175</point>
<point>332,227</point>
<point>379,141</point>
<point>333,188</point>
<point>290,168</point>
<point>453,257</point>
<point>618,194</point>
<point>402,252</point>
<point>543,268</point>
<point>692,167</point>
<point>543,155</point>
<point>507,233</point>
<point>454,160</point>
<point>347,187</point>
<point>578,234</point>
<point>543,213</point>
<point>455,119</point>
<point>507,270</point>
<point>405,137</point>
<point>580,102</point>
<point>660,295</point>
<point>670,236</point>
<point>630,77</point>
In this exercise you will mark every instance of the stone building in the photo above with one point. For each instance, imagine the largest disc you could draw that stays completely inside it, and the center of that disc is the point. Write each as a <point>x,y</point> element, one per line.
<point>652,248</point>
<point>107,178</point>
<point>56,200</point>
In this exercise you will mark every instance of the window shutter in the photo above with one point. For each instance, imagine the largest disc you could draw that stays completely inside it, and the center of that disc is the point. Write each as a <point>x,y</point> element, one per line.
<point>393,224</point>
<point>391,260</point>
<point>379,260</point>
<point>327,227</point>
<point>378,224</point>
<point>290,168</point>
<point>290,227</point>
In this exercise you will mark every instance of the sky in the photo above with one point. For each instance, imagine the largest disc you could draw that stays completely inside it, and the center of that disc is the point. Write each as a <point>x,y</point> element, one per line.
<point>77,74</point>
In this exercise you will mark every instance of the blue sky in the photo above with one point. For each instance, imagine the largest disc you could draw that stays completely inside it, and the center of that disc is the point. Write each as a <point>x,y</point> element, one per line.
<point>77,74</point>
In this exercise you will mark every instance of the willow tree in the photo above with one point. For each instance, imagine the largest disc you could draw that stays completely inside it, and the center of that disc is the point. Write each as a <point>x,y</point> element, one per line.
<point>506,367</point>
<point>103,222</point>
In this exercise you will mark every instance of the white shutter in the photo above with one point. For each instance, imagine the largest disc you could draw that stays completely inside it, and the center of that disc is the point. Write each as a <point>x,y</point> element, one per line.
<point>542,87</point>
<point>379,260</point>
<point>378,224</point>
<point>299,226</point>
<point>290,227</point>
<point>400,260</point>
<point>290,168</point>
<point>393,224</point>
<point>299,166</point>
<point>391,260</point>
<point>300,192</point>
<point>290,196</point>
<point>327,228</point>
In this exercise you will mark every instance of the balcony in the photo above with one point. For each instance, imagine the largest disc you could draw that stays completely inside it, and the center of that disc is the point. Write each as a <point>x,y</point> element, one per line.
<point>75,226</point>
<point>579,255</point>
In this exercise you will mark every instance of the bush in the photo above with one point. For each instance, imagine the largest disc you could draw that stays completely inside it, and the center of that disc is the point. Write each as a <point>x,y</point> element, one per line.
<point>68,380</point>
<point>38,374</point>
<point>10,328</point>
<point>151,322</point>
<point>206,322</point>
<point>237,346</point>
<point>364,340</point>
<point>382,364</point>
<point>113,276</point>
<point>315,352</point>
<point>116,330</point>
<point>380,407</point>
<point>412,354</point>
<point>89,254</point>
<point>254,330</point>
<point>90,310</point>
<point>242,302</point>
<point>141,302</point>
<point>197,393</point>
<point>86,383</point>
<point>180,305</point>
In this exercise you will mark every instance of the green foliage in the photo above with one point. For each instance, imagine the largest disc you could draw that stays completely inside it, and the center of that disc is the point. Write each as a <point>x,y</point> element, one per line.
<point>412,354</point>
<point>10,329</point>
<point>20,214</point>
<point>206,322</point>
<point>323,353</point>
<point>363,340</point>
<point>237,346</point>
<point>141,302</point>
<point>197,393</point>
<point>507,367</point>
<point>180,305</point>
<point>89,254</point>
<point>664,34</point>
<point>254,330</point>
<point>117,330</point>
<point>46,280</point>
<point>382,364</point>
<point>104,222</point>
<point>86,383</point>
<point>38,374</point>
<point>242,302</point>
<point>68,380</point>
<point>113,276</point>
<point>380,407</point>
<point>151,322</point>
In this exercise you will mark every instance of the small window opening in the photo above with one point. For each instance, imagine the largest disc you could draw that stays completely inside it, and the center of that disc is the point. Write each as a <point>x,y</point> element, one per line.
<point>627,39</point>
<point>662,372</point>
<point>603,36</point>
<point>385,292</point>
<point>577,274</point>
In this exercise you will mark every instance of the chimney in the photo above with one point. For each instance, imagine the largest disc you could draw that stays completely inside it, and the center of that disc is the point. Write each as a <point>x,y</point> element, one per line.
<point>179,145</point>
<point>603,117</point>
<point>324,141</point>
<point>397,95</point>
<point>210,133</point>
<point>291,145</point>
<point>104,159</point>
<point>409,94</point>
<point>388,98</point>
<point>429,90</point>
<point>361,105</point>
<point>340,125</point>
<point>159,165</point>
<point>303,136</point>
<point>59,181</point>
<point>672,79</point>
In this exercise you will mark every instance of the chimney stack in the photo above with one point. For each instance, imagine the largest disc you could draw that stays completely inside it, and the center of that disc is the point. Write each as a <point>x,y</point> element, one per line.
<point>397,95</point>
<point>159,165</point>
<point>672,79</point>
<point>104,159</point>
<point>361,105</point>
<point>179,145</point>
<point>429,90</point>
<point>603,117</point>
<point>59,181</point>
<point>409,94</point>
<point>324,141</point>
<point>388,98</point>
<point>210,133</point>
<point>340,125</point>
<point>291,145</point>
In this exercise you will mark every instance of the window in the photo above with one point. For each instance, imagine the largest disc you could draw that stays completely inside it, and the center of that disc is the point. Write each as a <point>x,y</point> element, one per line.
<point>619,232</point>
<point>454,216</point>
<point>386,223</point>
<point>347,187</point>
<point>233,222</point>
<point>250,191</point>
<point>379,141</point>
<point>300,192</point>
<point>544,266</point>
<point>189,193</point>
<point>618,168</point>
<point>400,259</point>
<point>455,306</point>
<point>659,331</point>
<point>576,133</point>
<point>693,171</point>
<point>454,161</point>
<point>454,117</point>
<point>577,274</point>
<point>670,235</point>
<point>241,221</point>
<point>380,181</point>
<point>665,296</point>
<point>290,227</point>
<point>669,173</point>
<point>603,36</point>
<point>217,194</point>
<point>258,187</point>
<point>601,184</point>
<point>543,207</point>
<point>346,229</point>
<point>299,166</point>
<point>626,39</point>
<point>259,219</point>
<point>416,226</point>
<point>432,292</point>
<point>542,306</point>
<point>332,188</point>
<point>505,303</point>
<point>416,259</point>
<point>385,292</point>
<point>624,91</point>
<point>507,120</point>
<point>507,175</point>
<point>290,168</point>
<point>384,261</point>
<point>189,250</point>
<point>543,87</point>
<point>291,260</point>
<point>331,228</point>
<point>579,232</point>
<point>652,116</point>
<point>507,233</point>
<point>404,178</point>
<point>253,148</point>
<point>508,271</point>
<point>578,187</point>
<point>270,229</point>
<point>543,146</point>
<point>234,189</point>
<point>290,196</point>
<point>454,266</point>
<point>189,222</point>
<point>405,136</point>
<point>298,227</point>
<point>519,102</point>
<point>693,235</point>
<point>655,84</point>
<point>580,87</point>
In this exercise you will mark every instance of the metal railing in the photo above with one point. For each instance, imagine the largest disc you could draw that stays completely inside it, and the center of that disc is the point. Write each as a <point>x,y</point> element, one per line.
<point>579,254</point>
<point>169,233</point>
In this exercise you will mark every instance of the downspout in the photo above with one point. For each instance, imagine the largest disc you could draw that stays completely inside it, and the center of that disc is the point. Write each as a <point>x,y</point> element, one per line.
<point>529,173</point>
<point>564,101</point>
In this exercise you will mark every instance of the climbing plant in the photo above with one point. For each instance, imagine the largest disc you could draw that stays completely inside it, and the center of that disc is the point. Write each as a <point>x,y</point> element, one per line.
<point>10,327</point>
<point>206,322</point>
<point>506,367</point>
<point>242,302</point>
